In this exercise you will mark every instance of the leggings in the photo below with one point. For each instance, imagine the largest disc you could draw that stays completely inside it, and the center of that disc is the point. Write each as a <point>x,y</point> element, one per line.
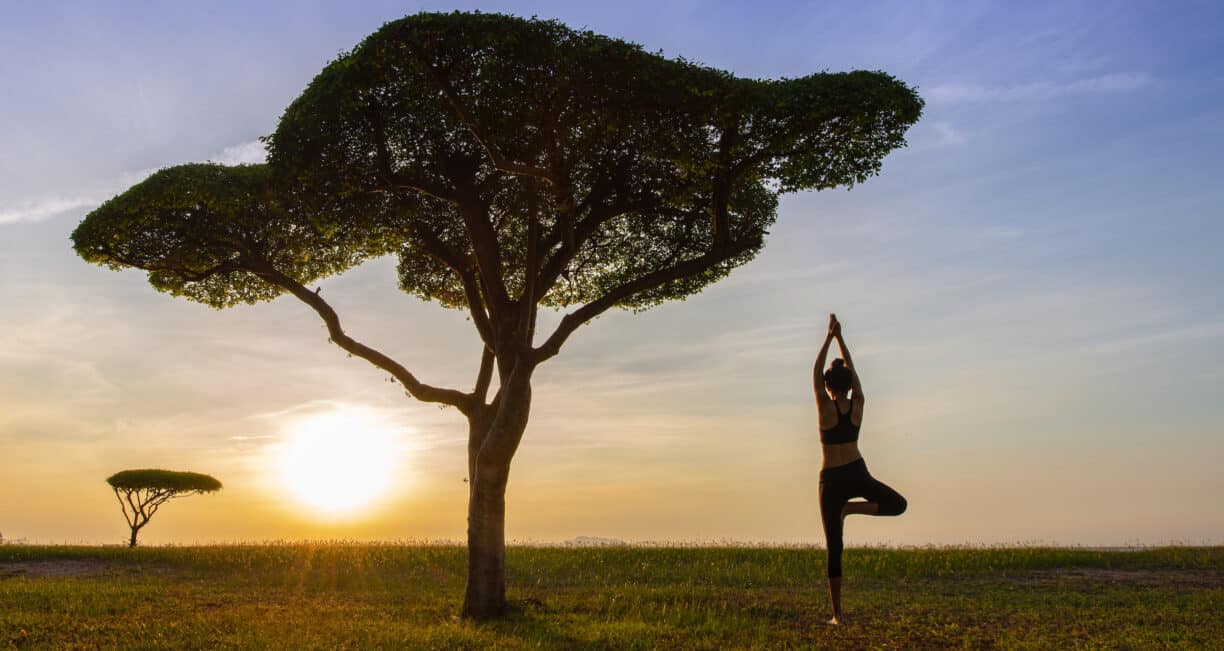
<point>838,486</point>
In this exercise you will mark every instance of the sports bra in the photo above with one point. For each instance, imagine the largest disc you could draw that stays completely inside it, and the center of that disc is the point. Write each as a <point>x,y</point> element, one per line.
<point>843,432</point>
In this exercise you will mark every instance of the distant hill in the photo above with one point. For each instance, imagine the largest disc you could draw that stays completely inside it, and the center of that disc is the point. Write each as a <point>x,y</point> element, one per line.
<point>593,541</point>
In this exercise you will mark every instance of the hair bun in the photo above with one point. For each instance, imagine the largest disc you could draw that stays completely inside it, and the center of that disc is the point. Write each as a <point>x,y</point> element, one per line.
<point>839,363</point>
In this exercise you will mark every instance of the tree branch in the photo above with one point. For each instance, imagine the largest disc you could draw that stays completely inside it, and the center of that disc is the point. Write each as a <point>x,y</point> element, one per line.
<point>190,276</point>
<point>471,286</point>
<point>720,224</point>
<point>570,233</point>
<point>499,162</point>
<point>484,376</point>
<point>475,213</point>
<point>137,508</point>
<point>415,387</point>
<point>555,265</point>
<point>122,506</point>
<point>527,302</point>
<point>570,322</point>
<point>157,497</point>
<point>382,153</point>
<point>427,189</point>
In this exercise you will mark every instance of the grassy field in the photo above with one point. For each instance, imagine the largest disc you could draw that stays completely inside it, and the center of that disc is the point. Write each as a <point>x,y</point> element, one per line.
<point>296,596</point>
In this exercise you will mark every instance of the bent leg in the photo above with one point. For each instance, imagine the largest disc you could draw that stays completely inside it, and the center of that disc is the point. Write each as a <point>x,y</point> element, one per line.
<point>887,500</point>
<point>860,508</point>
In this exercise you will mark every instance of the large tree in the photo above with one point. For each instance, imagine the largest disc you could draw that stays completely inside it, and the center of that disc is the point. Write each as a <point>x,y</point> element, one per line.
<point>510,164</point>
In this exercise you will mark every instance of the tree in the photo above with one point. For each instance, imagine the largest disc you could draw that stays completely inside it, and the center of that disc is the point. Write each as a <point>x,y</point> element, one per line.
<point>142,492</point>
<point>510,164</point>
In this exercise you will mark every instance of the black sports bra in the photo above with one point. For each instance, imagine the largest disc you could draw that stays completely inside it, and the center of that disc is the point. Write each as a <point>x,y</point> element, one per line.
<point>843,432</point>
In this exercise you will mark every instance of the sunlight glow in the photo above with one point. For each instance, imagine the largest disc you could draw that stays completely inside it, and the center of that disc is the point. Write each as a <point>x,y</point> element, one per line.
<point>338,461</point>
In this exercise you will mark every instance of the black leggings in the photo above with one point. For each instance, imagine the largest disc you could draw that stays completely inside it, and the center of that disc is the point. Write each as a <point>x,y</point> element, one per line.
<point>838,486</point>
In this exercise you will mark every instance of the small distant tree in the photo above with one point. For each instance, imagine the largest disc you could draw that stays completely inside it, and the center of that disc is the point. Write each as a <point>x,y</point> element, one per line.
<point>142,492</point>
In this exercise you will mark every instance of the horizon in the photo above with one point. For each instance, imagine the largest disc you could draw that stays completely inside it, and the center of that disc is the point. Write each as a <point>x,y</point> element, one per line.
<point>1030,290</point>
<point>588,541</point>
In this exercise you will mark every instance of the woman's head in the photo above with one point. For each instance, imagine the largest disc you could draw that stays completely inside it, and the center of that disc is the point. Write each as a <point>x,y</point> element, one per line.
<point>838,378</point>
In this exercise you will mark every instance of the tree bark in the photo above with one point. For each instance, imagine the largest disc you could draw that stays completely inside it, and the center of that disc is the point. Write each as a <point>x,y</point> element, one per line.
<point>132,542</point>
<point>485,597</point>
<point>491,448</point>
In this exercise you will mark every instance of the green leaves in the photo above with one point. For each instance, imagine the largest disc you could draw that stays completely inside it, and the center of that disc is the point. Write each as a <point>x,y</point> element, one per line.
<point>202,230</point>
<point>171,480</point>
<point>443,137</point>
<point>489,117</point>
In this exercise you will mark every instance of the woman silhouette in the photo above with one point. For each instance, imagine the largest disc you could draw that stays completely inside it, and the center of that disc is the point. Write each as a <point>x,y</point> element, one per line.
<point>843,473</point>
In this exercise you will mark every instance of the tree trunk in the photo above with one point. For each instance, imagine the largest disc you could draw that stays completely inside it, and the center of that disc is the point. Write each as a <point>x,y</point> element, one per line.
<point>485,597</point>
<point>132,542</point>
<point>491,448</point>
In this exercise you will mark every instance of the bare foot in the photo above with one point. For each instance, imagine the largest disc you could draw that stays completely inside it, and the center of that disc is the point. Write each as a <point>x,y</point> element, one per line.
<point>838,620</point>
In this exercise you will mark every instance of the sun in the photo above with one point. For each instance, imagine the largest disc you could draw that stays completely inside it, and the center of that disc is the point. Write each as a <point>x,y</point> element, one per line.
<point>338,462</point>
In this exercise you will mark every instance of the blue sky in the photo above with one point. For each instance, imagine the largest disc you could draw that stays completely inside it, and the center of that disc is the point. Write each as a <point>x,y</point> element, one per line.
<point>1030,288</point>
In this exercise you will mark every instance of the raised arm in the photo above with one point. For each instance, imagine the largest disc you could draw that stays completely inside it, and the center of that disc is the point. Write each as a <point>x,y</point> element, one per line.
<point>845,351</point>
<point>822,398</point>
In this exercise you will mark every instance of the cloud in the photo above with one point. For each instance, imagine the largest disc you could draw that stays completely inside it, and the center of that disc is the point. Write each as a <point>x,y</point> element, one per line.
<point>45,208</point>
<point>246,153</point>
<point>1167,337</point>
<point>1118,82</point>
<point>36,211</point>
<point>949,135</point>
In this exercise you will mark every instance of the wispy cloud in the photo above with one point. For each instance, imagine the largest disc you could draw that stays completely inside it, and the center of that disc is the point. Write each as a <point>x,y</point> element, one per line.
<point>44,208</point>
<point>36,211</point>
<point>1117,82</point>
<point>949,134</point>
<point>1165,337</point>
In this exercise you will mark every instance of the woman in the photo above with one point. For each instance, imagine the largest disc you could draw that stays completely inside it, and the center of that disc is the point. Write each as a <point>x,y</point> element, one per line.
<point>843,474</point>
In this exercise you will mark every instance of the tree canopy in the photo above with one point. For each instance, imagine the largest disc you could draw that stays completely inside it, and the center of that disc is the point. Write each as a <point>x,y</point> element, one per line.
<point>626,162</point>
<point>455,139</point>
<point>199,229</point>
<point>164,480</point>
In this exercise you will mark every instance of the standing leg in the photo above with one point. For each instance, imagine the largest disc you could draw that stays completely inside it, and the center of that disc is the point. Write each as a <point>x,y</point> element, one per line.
<point>881,499</point>
<point>831,503</point>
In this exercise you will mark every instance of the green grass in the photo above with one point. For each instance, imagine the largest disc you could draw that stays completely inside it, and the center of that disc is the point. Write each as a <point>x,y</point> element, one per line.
<point>357,596</point>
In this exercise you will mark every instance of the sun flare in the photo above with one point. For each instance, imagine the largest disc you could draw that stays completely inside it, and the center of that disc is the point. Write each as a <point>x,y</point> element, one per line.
<point>339,461</point>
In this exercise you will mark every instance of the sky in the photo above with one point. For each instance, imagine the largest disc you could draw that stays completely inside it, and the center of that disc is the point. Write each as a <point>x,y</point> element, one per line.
<point>1030,291</point>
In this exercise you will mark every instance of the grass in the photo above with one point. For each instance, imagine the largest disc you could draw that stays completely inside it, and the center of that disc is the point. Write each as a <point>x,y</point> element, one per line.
<point>359,596</point>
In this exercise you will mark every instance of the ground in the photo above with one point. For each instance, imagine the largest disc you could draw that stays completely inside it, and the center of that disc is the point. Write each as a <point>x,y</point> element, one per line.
<point>296,596</point>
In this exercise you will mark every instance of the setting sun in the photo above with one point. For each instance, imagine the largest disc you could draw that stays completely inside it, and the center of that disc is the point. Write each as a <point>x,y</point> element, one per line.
<point>339,461</point>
